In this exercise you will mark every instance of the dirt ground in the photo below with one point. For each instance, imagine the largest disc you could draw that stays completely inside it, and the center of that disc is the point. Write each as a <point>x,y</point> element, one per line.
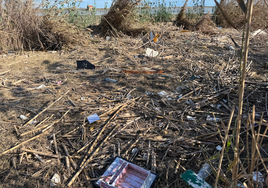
<point>199,74</point>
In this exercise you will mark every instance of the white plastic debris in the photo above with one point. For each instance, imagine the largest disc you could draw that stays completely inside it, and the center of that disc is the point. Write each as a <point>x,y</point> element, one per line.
<point>190,118</point>
<point>110,80</point>
<point>240,185</point>
<point>231,48</point>
<point>82,98</point>
<point>23,117</point>
<point>258,177</point>
<point>215,106</point>
<point>219,148</point>
<point>134,150</point>
<point>55,180</point>
<point>163,93</point>
<point>33,122</point>
<point>92,118</point>
<point>212,119</point>
<point>151,36</point>
<point>53,52</point>
<point>151,53</point>
<point>205,171</point>
<point>108,38</point>
<point>41,86</point>
<point>258,32</point>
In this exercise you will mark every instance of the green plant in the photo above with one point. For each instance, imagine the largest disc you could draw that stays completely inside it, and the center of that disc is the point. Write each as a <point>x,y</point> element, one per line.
<point>162,14</point>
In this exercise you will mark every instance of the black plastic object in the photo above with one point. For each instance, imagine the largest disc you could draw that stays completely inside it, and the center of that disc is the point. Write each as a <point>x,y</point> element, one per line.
<point>84,64</point>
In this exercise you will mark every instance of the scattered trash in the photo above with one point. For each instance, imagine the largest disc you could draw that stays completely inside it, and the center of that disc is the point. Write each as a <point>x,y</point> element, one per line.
<point>53,52</point>
<point>190,118</point>
<point>122,173</point>
<point>33,122</point>
<point>59,82</point>
<point>215,106</point>
<point>258,32</point>
<point>257,176</point>
<point>163,94</point>
<point>55,180</point>
<point>92,118</point>
<point>151,53</point>
<point>82,98</point>
<point>41,86</point>
<point>194,180</point>
<point>110,80</point>
<point>26,67</point>
<point>151,36</point>
<point>193,78</point>
<point>204,171</point>
<point>134,150</point>
<point>181,88</point>
<point>108,38</point>
<point>231,48</point>
<point>84,65</point>
<point>23,117</point>
<point>213,119</point>
<point>219,148</point>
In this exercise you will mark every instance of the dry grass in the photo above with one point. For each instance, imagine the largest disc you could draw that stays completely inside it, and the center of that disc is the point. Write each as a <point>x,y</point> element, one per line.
<point>205,24</point>
<point>23,27</point>
<point>117,19</point>
<point>259,15</point>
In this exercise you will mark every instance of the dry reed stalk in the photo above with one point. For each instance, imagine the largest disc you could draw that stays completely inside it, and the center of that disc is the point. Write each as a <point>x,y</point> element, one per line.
<point>223,147</point>
<point>22,143</point>
<point>241,92</point>
<point>93,154</point>
<point>46,108</point>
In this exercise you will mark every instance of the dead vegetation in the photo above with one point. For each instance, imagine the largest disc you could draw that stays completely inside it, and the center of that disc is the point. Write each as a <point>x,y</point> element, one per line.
<point>237,16</point>
<point>138,121</point>
<point>205,24</point>
<point>116,20</point>
<point>23,27</point>
<point>167,114</point>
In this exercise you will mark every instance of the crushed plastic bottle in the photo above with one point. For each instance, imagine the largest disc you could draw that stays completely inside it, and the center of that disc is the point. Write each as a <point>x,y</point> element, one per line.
<point>205,171</point>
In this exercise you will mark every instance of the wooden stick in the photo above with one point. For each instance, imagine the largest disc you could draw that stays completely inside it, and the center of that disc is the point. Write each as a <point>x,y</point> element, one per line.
<point>4,72</point>
<point>153,169</point>
<point>17,146</point>
<point>45,109</point>
<point>40,153</point>
<point>67,153</point>
<point>67,162</point>
<point>96,151</point>
<point>86,144</point>
<point>148,154</point>
<point>118,150</point>
<point>46,126</point>
<point>46,119</point>
<point>56,147</point>
<point>104,127</point>
<point>138,138</point>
